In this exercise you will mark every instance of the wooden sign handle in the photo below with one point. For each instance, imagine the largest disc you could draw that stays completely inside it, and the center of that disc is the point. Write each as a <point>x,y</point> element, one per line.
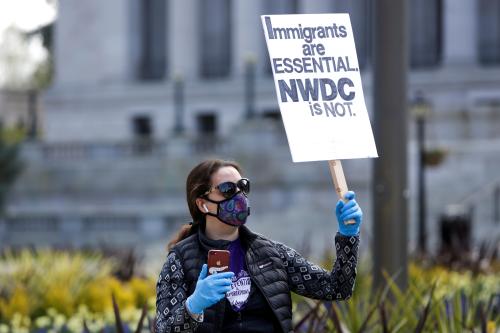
<point>339,181</point>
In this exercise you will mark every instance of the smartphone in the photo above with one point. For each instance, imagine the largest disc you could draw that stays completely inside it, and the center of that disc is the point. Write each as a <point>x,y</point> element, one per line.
<point>218,261</point>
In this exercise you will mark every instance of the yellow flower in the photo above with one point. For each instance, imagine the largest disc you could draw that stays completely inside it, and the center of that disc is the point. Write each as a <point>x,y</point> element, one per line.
<point>26,321</point>
<point>75,324</point>
<point>143,290</point>
<point>123,293</point>
<point>16,320</point>
<point>42,321</point>
<point>51,312</point>
<point>18,303</point>
<point>96,295</point>
<point>491,327</point>
<point>59,321</point>
<point>152,303</point>
<point>60,298</point>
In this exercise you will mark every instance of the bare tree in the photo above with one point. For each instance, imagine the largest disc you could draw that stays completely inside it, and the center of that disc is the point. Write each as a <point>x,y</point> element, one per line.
<point>10,166</point>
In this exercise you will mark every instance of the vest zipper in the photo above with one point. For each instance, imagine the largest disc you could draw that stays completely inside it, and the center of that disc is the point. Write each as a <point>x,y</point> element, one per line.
<point>240,322</point>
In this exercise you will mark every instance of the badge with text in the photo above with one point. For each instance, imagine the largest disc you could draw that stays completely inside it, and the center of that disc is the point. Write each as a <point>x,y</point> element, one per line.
<point>240,290</point>
<point>318,85</point>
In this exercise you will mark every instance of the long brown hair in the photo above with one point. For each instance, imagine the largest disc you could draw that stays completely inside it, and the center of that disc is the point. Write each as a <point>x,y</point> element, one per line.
<point>197,183</point>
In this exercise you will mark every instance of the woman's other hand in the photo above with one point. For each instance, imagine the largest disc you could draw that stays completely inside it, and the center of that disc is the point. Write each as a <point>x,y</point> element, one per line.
<point>209,290</point>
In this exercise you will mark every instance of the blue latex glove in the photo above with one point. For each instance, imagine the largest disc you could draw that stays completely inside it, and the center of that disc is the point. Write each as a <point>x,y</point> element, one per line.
<point>209,290</point>
<point>349,211</point>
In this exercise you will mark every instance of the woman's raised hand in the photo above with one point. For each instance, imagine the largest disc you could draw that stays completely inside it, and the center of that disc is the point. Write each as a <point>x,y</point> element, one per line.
<point>349,210</point>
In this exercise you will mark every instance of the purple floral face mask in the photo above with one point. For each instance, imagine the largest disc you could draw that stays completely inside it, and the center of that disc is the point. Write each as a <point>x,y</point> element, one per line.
<point>233,211</point>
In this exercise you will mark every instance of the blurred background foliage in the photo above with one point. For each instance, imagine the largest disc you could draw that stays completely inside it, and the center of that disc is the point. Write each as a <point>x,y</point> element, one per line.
<point>53,287</point>
<point>57,290</point>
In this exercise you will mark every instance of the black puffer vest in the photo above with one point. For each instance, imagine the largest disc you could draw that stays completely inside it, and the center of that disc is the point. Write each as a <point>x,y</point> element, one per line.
<point>271,279</point>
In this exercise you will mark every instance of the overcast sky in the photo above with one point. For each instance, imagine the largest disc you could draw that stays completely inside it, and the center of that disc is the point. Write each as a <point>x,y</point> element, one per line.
<point>19,58</point>
<point>25,14</point>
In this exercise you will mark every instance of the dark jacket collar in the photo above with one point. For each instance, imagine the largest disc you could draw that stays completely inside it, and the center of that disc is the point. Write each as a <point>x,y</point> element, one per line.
<point>209,244</point>
<point>246,238</point>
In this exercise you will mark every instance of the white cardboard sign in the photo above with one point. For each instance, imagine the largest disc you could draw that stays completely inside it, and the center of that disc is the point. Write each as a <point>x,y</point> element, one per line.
<point>318,85</point>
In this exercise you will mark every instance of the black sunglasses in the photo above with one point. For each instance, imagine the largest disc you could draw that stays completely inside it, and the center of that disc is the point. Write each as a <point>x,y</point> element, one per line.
<point>228,189</point>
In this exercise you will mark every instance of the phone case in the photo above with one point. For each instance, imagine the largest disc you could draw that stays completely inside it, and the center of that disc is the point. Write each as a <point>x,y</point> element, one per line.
<point>218,261</point>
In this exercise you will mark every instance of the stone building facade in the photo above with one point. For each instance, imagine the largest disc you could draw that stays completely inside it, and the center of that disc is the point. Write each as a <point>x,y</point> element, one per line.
<point>144,89</point>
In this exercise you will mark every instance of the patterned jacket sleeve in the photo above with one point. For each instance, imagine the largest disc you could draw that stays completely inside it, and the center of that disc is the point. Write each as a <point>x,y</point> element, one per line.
<point>310,280</point>
<point>171,294</point>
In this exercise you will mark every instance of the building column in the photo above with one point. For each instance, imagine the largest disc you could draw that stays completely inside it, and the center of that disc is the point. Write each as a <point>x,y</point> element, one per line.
<point>315,6</point>
<point>184,40</point>
<point>91,35</point>
<point>459,32</point>
<point>248,37</point>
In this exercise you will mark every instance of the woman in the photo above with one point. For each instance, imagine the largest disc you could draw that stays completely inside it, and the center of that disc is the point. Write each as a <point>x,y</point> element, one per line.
<point>255,295</point>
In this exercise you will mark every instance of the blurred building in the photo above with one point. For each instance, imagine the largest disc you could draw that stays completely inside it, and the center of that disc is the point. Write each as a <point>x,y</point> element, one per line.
<point>144,89</point>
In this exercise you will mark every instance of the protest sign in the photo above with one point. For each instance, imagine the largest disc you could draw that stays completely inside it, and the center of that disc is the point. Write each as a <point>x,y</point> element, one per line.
<point>319,89</point>
<point>318,85</point>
